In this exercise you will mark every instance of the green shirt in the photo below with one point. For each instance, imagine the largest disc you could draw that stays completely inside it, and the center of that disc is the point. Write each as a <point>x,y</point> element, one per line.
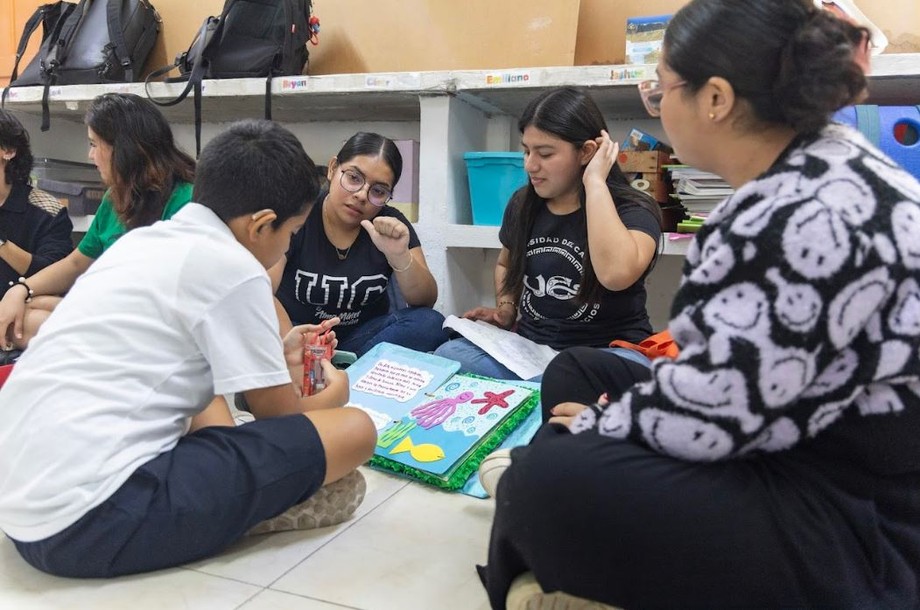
<point>107,228</point>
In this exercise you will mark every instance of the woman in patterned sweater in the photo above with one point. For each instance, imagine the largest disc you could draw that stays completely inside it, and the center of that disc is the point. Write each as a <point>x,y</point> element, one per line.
<point>775,462</point>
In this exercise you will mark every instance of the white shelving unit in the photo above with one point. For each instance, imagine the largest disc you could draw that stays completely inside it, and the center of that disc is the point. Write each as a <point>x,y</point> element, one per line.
<point>453,112</point>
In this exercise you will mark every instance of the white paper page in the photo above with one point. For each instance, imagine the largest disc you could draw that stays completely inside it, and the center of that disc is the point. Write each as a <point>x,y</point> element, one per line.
<point>526,358</point>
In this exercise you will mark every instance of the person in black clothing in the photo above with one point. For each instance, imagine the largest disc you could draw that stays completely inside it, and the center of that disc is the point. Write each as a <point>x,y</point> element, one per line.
<point>353,245</point>
<point>577,241</point>
<point>35,229</point>
<point>774,463</point>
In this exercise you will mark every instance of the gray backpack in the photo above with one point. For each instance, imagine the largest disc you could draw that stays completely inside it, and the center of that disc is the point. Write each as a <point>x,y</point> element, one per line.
<point>93,42</point>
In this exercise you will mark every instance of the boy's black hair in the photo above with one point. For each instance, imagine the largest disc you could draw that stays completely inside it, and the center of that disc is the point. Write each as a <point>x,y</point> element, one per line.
<point>255,165</point>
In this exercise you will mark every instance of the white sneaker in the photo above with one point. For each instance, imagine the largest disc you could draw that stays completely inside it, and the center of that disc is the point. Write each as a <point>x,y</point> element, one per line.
<point>526,594</point>
<point>492,468</point>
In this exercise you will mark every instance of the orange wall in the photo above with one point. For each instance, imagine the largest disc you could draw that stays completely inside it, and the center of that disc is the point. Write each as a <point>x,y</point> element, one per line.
<point>13,17</point>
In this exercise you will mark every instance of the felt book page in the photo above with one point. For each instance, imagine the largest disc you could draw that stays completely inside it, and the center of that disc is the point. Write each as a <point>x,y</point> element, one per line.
<point>434,425</point>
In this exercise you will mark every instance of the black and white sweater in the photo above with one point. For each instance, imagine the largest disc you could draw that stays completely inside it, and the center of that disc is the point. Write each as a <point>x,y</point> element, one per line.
<point>798,310</point>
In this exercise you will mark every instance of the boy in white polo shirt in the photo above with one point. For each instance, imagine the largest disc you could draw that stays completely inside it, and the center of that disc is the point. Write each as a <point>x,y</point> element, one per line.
<point>99,474</point>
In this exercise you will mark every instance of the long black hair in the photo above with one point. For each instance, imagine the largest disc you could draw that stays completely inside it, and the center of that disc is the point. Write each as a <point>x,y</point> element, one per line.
<point>574,117</point>
<point>372,145</point>
<point>146,164</point>
<point>13,136</point>
<point>793,62</point>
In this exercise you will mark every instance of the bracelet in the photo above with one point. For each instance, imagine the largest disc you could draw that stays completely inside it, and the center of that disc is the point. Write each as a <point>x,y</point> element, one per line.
<point>507,302</point>
<point>29,292</point>
<point>404,269</point>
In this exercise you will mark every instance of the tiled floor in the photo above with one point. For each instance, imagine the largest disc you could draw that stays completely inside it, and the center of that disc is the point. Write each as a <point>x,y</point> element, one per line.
<point>408,546</point>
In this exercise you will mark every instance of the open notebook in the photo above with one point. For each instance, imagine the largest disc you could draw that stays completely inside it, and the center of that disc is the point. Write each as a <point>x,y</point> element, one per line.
<point>434,425</point>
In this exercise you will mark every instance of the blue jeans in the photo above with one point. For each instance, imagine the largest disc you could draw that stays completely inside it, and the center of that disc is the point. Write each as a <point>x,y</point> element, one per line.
<point>473,359</point>
<point>417,328</point>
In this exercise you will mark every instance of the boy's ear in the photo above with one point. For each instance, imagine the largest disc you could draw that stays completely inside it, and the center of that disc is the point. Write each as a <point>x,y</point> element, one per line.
<point>8,154</point>
<point>260,219</point>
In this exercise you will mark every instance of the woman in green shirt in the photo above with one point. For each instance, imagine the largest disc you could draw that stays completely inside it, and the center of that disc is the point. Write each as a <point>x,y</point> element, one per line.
<point>148,179</point>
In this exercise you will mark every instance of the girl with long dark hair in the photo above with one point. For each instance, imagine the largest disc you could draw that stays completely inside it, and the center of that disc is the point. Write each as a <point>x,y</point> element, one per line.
<point>577,240</point>
<point>343,261</point>
<point>148,179</point>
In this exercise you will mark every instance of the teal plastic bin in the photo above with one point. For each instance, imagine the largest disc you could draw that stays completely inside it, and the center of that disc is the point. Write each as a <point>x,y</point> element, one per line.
<point>493,176</point>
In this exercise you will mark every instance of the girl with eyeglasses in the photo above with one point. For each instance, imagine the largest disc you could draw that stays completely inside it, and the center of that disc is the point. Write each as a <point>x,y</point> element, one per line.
<point>352,246</point>
<point>775,462</point>
<point>577,240</point>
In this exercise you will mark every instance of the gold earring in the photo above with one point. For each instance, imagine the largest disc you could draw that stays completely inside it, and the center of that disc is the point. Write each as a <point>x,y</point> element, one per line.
<point>712,116</point>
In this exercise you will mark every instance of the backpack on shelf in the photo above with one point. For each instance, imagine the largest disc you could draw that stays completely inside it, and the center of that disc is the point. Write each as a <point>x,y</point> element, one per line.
<point>92,42</point>
<point>250,39</point>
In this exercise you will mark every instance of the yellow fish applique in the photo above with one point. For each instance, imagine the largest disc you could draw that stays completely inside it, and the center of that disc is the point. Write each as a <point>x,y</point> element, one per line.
<point>420,453</point>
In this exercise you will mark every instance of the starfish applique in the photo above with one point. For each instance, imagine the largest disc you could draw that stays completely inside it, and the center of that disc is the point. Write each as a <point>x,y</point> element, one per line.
<point>493,400</point>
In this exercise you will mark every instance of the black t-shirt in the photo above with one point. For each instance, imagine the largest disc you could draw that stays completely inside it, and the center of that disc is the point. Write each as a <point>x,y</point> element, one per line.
<point>316,285</point>
<point>554,267</point>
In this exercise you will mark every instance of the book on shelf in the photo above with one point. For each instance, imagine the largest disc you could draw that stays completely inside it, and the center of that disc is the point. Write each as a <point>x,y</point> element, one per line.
<point>699,192</point>
<point>434,425</point>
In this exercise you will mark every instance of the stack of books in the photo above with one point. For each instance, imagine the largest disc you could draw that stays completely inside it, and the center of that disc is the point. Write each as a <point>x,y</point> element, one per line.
<point>697,191</point>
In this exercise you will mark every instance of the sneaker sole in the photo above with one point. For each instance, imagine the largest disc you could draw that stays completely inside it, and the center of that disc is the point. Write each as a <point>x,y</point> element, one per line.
<point>331,505</point>
<point>492,468</point>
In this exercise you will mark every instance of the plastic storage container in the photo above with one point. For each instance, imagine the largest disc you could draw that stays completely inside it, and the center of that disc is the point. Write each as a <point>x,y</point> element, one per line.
<point>67,171</point>
<point>887,127</point>
<point>493,176</point>
<point>81,198</point>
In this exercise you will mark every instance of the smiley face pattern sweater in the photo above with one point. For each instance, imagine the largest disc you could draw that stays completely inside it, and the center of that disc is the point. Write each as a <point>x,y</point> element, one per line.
<point>798,317</point>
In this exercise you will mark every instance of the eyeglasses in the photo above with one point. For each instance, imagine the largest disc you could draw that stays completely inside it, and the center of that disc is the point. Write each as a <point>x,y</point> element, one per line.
<point>652,91</point>
<point>377,194</point>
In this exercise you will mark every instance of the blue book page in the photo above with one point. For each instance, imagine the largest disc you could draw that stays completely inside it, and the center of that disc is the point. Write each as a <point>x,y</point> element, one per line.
<point>389,380</point>
<point>439,431</point>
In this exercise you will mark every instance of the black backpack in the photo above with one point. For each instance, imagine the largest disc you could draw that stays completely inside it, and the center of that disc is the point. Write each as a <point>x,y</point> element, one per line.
<point>93,42</point>
<point>250,39</point>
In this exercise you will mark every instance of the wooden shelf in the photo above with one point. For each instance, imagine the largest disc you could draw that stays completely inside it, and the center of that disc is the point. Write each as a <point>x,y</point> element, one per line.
<point>394,96</point>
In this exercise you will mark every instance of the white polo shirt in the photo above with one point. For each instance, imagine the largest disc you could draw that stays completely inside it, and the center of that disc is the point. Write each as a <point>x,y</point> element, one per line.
<point>166,318</point>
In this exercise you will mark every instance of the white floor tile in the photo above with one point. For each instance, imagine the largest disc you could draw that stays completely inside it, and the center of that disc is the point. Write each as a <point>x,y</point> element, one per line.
<point>274,600</point>
<point>261,560</point>
<point>417,550</point>
<point>22,587</point>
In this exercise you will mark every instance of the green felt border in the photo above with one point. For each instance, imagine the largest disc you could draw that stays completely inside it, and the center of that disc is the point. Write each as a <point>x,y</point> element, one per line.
<point>458,477</point>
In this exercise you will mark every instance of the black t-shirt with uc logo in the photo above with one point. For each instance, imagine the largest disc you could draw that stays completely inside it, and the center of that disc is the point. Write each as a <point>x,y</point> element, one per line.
<point>554,267</point>
<point>317,285</point>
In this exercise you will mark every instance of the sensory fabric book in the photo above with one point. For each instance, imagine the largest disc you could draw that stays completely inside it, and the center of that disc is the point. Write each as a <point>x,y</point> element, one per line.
<point>434,424</point>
